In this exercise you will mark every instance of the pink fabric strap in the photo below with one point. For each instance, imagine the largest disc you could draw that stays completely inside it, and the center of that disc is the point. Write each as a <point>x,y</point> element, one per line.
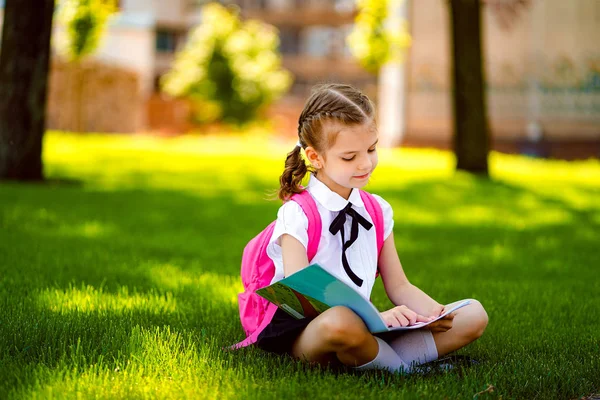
<point>374,210</point>
<point>308,205</point>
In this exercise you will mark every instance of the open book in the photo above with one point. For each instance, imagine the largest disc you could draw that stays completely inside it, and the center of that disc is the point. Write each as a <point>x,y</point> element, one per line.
<point>312,290</point>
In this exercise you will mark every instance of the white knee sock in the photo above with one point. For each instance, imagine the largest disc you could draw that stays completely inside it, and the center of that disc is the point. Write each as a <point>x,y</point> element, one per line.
<point>386,359</point>
<point>415,347</point>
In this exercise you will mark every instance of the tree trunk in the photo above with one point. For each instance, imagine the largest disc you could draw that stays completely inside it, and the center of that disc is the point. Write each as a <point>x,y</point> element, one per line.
<point>24,64</point>
<point>471,137</point>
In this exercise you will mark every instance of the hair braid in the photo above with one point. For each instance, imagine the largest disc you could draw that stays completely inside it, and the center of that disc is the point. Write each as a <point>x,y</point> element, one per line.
<point>295,169</point>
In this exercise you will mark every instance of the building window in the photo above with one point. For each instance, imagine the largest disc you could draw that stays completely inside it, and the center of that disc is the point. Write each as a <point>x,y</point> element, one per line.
<point>344,5</point>
<point>166,41</point>
<point>289,40</point>
<point>317,41</point>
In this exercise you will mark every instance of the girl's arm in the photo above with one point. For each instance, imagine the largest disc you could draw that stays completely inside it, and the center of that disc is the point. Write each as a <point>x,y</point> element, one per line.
<point>293,254</point>
<point>398,288</point>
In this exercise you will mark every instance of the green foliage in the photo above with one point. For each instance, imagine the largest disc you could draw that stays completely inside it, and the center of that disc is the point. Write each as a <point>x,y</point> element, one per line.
<point>230,68</point>
<point>84,22</point>
<point>376,38</point>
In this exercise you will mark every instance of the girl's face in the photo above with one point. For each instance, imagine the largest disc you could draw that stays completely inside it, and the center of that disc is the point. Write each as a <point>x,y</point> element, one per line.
<point>350,161</point>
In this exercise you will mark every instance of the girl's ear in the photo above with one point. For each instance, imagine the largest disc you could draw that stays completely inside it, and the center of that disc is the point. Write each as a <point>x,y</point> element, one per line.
<point>313,157</point>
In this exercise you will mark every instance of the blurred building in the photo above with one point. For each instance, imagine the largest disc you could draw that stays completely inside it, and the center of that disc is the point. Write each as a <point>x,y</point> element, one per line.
<point>312,40</point>
<point>543,77</point>
<point>542,66</point>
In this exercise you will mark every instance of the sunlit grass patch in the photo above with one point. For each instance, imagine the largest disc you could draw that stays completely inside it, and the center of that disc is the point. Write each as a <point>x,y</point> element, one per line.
<point>523,169</point>
<point>88,299</point>
<point>209,165</point>
<point>45,220</point>
<point>159,363</point>
<point>171,277</point>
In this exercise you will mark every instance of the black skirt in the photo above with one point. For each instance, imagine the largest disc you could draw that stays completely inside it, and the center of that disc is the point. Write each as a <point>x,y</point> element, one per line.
<point>281,333</point>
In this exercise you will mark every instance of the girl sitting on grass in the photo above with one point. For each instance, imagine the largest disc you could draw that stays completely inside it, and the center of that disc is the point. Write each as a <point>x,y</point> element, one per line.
<point>338,133</point>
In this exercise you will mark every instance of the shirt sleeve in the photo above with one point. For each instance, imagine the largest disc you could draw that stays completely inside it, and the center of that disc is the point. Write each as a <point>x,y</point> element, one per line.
<point>292,221</point>
<point>388,216</point>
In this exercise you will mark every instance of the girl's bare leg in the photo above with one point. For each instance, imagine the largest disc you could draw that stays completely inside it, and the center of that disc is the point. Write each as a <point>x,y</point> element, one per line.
<point>338,333</point>
<point>468,325</point>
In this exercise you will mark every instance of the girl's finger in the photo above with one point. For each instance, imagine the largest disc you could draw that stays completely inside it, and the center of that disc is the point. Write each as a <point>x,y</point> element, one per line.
<point>421,318</point>
<point>412,317</point>
<point>401,319</point>
<point>390,322</point>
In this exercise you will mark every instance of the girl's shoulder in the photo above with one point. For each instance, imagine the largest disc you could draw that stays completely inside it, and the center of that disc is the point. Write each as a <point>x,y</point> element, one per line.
<point>290,213</point>
<point>382,202</point>
<point>388,215</point>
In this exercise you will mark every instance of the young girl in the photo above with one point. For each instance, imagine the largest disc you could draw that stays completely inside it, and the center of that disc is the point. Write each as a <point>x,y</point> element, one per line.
<point>337,131</point>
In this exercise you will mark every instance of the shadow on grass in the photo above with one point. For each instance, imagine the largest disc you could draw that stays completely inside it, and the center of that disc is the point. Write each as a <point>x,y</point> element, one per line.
<point>503,244</point>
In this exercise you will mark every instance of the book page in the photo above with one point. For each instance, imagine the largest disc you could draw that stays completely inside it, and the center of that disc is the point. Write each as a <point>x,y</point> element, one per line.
<point>422,324</point>
<point>283,297</point>
<point>294,303</point>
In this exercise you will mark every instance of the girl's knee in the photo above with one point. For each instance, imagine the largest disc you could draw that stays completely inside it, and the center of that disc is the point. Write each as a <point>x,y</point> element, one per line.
<point>341,327</point>
<point>478,319</point>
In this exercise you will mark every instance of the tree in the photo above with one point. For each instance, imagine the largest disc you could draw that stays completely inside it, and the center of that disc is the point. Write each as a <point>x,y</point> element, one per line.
<point>24,63</point>
<point>471,138</point>
<point>230,69</point>
<point>471,132</point>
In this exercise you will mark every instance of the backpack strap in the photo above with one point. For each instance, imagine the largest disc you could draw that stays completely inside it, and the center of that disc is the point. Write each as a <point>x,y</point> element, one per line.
<point>308,205</point>
<point>374,209</point>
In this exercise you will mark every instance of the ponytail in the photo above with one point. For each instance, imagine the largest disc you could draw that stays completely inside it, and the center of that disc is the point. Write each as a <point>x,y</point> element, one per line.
<point>290,179</point>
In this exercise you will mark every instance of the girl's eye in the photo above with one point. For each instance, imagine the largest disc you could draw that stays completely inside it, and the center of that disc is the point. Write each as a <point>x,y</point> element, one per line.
<point>348,159</point>
<point>372,150</point>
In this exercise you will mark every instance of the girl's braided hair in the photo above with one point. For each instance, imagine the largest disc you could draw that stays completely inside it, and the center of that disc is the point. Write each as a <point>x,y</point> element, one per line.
<point>335,103</point>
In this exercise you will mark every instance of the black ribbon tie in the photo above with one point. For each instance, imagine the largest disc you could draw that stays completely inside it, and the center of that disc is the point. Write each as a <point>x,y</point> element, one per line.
<point>337,225</point>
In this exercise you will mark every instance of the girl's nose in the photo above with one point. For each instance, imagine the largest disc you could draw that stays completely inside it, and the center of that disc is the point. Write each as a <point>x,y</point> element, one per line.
<point>366,163</point>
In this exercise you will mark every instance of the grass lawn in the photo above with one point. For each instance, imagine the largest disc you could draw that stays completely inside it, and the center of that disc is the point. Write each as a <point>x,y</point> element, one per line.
<point>118,277</point>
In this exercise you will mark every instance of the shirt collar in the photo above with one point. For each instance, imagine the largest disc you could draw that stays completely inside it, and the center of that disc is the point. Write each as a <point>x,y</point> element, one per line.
<point>330,199</point>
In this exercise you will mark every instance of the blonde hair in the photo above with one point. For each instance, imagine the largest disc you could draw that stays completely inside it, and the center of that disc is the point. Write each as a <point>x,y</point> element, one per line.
<point>328,103</point>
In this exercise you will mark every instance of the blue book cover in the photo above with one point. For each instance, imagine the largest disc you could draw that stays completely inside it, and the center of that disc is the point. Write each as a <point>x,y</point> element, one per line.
<point>313,290</point>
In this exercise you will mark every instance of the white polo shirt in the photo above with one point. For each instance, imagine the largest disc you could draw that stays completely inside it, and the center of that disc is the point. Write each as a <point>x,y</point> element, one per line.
<point>362,255</point>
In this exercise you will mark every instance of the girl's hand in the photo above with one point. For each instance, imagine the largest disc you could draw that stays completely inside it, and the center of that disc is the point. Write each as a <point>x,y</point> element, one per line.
<point>443,324</point>
<point>402,316</point>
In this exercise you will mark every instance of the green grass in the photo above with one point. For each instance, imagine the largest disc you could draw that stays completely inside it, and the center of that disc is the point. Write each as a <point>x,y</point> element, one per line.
<point>119,276</point>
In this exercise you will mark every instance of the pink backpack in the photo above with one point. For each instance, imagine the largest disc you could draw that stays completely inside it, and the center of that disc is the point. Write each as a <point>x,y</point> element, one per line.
<point>258,269</point>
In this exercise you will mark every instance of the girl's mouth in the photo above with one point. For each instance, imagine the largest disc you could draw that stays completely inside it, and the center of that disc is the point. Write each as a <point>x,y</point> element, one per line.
<point>365,176</point>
